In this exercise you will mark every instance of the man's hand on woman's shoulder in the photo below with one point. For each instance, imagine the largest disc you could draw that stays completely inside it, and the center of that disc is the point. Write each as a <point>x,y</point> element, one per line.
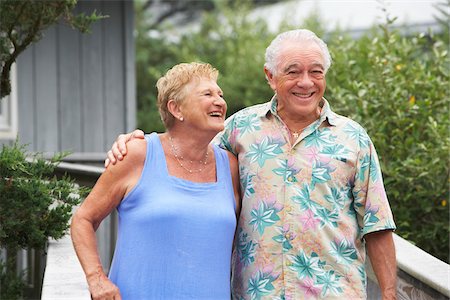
<point>119,147</point>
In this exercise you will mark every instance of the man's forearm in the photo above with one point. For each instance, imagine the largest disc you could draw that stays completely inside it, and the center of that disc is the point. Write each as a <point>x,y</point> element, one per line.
<point>381,250</point>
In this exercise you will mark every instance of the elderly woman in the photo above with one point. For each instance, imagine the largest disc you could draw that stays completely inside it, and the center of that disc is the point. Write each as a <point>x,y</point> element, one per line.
<point>177,197</point>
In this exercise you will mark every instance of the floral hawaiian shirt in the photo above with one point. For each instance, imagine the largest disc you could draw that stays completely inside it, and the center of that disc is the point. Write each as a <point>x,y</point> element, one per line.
<point>306,206</point>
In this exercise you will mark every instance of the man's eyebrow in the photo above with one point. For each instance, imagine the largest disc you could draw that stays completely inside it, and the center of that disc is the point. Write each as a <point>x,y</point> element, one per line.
<point>289,67</point>
<point>296,65</point>
<point>318,64</point>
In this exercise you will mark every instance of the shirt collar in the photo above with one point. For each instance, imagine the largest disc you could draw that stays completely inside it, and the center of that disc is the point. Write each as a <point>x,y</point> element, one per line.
<point>325,114</point>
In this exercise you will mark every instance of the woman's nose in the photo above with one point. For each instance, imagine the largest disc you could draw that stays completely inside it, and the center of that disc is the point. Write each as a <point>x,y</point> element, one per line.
<point>220,101</point>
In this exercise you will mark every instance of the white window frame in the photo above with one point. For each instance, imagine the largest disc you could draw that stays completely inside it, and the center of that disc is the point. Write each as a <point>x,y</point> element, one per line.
<point>8,113</point>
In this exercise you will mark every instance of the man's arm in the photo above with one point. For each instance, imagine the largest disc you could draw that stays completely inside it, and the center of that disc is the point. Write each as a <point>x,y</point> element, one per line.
<point>119,147</point>
<point>381,250</point>
<point>375,216</point>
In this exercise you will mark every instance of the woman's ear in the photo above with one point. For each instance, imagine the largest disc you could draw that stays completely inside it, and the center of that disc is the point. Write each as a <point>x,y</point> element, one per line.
<point>174,109</point>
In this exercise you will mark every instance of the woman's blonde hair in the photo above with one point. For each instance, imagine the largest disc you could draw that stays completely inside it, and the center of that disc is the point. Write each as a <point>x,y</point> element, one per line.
<point>172,85</point>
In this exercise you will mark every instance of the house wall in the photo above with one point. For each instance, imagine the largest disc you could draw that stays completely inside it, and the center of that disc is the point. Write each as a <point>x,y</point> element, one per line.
<point>76,92</point>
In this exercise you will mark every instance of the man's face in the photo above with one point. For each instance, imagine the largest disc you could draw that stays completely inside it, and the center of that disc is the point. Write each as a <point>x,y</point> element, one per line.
<point>299,81</point>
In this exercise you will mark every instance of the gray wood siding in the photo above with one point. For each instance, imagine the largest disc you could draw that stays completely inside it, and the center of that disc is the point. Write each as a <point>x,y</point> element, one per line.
<point>76,91</point>
<point>70,89</point>
<point>92,97</point>
<point>26,100</point>
<point>46,90</point>
<point>113,62</point>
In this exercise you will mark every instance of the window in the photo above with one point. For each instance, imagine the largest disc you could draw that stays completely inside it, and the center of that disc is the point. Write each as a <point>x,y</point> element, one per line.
<point>8,110</point>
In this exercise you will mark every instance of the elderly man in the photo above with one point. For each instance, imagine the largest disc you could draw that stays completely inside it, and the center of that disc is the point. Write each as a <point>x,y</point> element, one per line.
<point>313,198</point>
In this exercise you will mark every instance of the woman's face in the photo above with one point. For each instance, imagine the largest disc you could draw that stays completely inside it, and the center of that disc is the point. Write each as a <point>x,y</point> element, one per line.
<point>204,108</point>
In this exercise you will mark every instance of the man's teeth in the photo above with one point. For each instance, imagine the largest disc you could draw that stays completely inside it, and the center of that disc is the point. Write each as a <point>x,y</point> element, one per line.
<point>215,114</point>
<point>303,95</point>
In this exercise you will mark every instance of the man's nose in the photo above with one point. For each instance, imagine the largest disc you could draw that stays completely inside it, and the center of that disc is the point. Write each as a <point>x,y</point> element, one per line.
<point>305,81</point>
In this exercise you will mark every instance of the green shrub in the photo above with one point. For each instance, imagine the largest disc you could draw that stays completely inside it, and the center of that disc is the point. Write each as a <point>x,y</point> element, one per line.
<point>12,284</point>
<point>397,88</point>
<point>34,205</point>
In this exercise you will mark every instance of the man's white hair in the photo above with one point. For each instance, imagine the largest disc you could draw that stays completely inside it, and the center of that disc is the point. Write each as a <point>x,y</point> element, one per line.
<point>300,36</point>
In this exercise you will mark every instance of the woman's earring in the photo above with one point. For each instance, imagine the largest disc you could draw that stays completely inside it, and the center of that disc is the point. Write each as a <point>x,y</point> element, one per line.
<point>181,118</point>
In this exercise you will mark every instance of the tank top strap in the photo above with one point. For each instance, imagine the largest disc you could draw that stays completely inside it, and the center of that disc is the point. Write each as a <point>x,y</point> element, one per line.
<point>154,151</point>
<point>223,165</point>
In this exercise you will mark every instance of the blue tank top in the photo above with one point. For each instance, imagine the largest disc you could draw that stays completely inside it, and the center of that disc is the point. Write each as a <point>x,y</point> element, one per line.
<point>175,236</point>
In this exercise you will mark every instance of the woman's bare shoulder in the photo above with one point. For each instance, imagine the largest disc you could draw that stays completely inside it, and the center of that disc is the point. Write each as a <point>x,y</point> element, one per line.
<point>137,150</point>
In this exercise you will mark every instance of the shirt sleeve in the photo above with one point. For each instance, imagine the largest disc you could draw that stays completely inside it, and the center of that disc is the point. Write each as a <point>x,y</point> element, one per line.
<point>225,139</point>
<point>370,199</point>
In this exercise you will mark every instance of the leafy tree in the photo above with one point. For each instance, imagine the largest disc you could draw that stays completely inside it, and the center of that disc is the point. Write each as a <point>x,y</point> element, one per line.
<point>154,57</point>
<point>181,12</point>
<point>35,205</point>
<point>157,12</point>
<point>22,23</point>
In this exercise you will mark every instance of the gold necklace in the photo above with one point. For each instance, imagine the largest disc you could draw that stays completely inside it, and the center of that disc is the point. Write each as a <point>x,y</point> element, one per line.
<point>180,158</point>
<point>296,134</point>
